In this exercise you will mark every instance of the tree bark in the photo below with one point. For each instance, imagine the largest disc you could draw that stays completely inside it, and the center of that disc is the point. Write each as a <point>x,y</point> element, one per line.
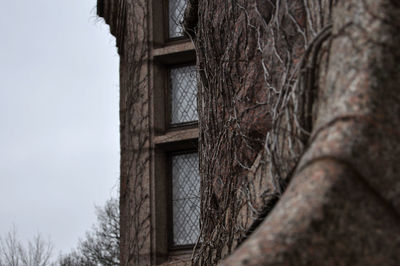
<point>289,86</point>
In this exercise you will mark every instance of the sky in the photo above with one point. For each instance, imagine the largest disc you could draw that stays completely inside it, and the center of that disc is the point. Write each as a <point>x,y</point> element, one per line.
<point>59,151</point>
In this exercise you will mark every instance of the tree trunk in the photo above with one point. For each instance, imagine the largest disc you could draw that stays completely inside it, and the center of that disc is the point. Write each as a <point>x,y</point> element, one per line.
<point>299,91</point>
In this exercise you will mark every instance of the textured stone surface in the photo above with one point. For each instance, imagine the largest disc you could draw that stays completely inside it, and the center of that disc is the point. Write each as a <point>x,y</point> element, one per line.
<point>128,23</point>
<point>114,13</point>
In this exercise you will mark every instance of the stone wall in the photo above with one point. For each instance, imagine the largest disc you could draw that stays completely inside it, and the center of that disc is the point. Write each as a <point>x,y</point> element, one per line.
<point>128,22</point>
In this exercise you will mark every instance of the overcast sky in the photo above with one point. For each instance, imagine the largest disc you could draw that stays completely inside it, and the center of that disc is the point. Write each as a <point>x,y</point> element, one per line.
<point>59,153</point>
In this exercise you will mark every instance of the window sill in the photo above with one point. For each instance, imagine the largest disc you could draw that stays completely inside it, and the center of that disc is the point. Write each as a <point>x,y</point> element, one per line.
<point>175,53</point>
<point>177,136</point>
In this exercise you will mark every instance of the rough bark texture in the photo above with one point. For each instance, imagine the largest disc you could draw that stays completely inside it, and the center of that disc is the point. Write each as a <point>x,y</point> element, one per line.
<point>325,73</point>
<point>258,62</point>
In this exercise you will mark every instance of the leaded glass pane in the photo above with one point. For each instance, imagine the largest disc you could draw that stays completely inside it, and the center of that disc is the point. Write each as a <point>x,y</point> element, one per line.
<point>176,13</point>
<point>183,94</point>
<point>185,199</point>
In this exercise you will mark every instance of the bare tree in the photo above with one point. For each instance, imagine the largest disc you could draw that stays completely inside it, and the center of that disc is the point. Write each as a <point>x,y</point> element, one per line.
<point>74,259</point>
<point>37,252</point>
<point>9,249</point>
<point>101,245</point>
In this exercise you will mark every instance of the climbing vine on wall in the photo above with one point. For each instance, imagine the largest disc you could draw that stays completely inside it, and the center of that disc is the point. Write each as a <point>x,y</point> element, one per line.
<point>259,65</point>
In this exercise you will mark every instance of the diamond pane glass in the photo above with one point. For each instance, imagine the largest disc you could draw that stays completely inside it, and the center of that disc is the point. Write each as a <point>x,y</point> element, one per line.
<point>183,94</point>
<point>185,199</point>
<point>176,13</point>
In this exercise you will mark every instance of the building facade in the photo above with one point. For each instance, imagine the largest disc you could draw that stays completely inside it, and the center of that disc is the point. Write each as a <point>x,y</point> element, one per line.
<point>258,132</point>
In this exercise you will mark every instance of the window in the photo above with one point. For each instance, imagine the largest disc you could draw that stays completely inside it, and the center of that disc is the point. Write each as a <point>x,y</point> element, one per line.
<point>183,86</point>
<point>184,173</point>
<point>185,199</point>
<point>185,179</point>
<point>176,11</point>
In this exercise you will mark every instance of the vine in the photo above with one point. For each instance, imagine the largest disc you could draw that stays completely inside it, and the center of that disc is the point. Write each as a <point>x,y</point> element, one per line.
<point>259,63</point>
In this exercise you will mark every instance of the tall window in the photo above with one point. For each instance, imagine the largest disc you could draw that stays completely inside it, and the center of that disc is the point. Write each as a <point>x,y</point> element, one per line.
<point>185,177</point>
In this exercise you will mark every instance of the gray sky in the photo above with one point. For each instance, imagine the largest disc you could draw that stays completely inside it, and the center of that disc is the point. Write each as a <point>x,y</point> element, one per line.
<point>59,153</point>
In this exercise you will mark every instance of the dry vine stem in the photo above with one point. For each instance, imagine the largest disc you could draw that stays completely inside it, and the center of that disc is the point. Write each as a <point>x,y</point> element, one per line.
<point>258,64</point>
